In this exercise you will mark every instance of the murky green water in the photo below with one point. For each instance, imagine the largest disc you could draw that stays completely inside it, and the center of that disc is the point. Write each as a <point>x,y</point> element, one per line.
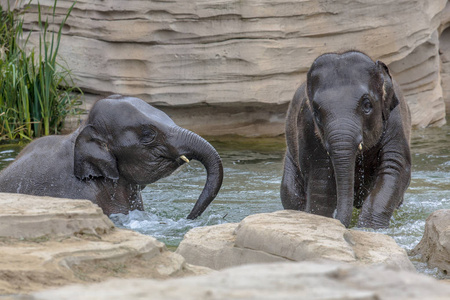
<point>253,170</point>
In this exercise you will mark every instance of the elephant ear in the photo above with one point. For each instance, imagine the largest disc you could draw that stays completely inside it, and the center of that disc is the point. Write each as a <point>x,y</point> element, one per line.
<point>92,158</point>
<point>389,98</point>
<point>311,81</point>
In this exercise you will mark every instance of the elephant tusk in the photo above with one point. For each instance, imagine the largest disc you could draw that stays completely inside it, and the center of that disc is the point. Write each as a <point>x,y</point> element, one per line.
<point>360,146</point>
<point>184,158</point>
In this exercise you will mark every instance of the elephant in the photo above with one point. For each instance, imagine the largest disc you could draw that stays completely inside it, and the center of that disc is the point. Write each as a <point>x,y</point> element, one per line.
<point>347,141</point>
<point>124,144</point>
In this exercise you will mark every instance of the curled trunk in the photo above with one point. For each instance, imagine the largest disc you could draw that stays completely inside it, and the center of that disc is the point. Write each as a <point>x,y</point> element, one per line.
<point>195,147</point>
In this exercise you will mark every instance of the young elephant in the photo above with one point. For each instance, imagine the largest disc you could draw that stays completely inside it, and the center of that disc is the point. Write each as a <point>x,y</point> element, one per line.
<point>124,145</point>
<point>347,131</point>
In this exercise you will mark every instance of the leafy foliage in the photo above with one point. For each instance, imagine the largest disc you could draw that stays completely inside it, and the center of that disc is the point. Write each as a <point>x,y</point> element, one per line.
<point>36,91</point>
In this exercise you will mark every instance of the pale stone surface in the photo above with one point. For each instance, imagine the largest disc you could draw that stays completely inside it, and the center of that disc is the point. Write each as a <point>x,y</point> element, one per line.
<point>214,247</point>
<point>434,248</point>
<point>227,66</point>
<point>420,80</point>
<point>444,51</point>
<point>289,236</point>
<point>306,280</point>
<point>47,242</point>
<point>25,216</point>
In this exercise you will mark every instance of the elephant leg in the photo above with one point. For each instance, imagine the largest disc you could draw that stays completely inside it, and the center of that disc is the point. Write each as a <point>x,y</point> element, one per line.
<point>387,193</point>
<point>376,211</point>
<point>292,190</point>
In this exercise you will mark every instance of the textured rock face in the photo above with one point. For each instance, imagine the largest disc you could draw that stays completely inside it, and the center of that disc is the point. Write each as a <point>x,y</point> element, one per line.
<point>288,236</point>
<point>47,242</point>
<point>227,66</point>
<point>268,281</point>
<point>444,51</point>
<point>434,247</point>
<point>28,217</point>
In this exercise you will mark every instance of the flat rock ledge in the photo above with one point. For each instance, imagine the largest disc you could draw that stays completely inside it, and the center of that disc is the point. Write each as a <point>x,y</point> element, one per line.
<point>289,236</point>
<point>434,248</point>
<point>48,242</point>
<point>299,280</point>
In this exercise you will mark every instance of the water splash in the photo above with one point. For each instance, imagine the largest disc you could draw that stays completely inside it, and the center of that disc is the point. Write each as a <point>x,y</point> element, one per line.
<point>165,229</point>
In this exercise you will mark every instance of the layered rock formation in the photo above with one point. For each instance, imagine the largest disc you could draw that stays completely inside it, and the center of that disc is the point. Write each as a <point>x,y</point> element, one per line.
<point>220,67</point>
<point>286,281</point>
<point>444,51</point>
<point>434,248</point>
<point>47,242</point>
<point>288,236</point>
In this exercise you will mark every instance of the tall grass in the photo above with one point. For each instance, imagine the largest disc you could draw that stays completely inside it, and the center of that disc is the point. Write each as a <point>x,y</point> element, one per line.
<point>36,92</point>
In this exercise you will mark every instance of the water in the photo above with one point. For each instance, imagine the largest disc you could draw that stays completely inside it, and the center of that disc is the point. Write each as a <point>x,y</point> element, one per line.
<point>251,185</point>
<point>253,170</point>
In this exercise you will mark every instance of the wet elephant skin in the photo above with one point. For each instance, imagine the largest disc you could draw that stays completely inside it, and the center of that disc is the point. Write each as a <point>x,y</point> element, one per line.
<point>347,133</point>
<point>124,145</point>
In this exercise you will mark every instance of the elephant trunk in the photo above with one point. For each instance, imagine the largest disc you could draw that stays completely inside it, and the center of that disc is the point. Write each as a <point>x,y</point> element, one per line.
<point>343,147</point>
<point>195,147</point>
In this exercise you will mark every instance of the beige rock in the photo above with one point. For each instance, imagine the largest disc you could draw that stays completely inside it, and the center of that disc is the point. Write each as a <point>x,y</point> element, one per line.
<point>289,236</point>
<point>306,280</point>
<point>444,51</point>
<point>227,66</point>
<point>47,242</point>
<point>434,248</point>
<point>214,247</point>
<point>419,77</point>
<point>28,217</point>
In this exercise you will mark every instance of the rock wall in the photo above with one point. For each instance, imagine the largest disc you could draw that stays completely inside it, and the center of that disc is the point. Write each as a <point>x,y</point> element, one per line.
<point>231,67</point>
<point>444,52</point>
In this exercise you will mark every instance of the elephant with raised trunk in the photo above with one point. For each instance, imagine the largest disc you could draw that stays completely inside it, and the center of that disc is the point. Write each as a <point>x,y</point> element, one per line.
<point>124,145</point>
<point>347,134</point>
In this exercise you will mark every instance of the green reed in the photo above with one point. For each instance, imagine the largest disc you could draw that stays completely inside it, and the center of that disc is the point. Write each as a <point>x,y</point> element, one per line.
<point>36,91</point>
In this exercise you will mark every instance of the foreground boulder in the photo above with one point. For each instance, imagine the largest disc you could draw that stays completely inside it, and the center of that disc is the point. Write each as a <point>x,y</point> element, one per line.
<point>47,242</point>
<point>434,248</point>
<point>305,280</point>
<point>289,236</point>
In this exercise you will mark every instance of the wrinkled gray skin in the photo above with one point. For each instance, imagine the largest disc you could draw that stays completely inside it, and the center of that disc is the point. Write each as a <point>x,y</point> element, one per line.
<point>124,145</point>
<point>348,132</point>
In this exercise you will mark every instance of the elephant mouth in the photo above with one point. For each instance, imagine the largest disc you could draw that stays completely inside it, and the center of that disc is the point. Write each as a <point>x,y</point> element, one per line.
<point>165,167</point>
<point>151,172</point>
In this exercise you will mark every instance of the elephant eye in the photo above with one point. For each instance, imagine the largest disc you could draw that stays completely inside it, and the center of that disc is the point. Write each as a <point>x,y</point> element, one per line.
<point>148,136</point>
<point>366,105</point>
<point>316,113</point>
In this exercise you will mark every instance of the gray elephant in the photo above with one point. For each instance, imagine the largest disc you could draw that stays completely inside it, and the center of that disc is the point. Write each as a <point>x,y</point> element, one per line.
<point>347,133</point>
<point>124,145</point>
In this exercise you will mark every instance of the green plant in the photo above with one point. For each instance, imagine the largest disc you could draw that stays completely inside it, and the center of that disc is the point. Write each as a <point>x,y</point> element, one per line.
<point>36,91</point>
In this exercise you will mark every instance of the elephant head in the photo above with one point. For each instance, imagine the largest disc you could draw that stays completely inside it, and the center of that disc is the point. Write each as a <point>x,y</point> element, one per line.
<point>125,138</point>
<point>350,97</point>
